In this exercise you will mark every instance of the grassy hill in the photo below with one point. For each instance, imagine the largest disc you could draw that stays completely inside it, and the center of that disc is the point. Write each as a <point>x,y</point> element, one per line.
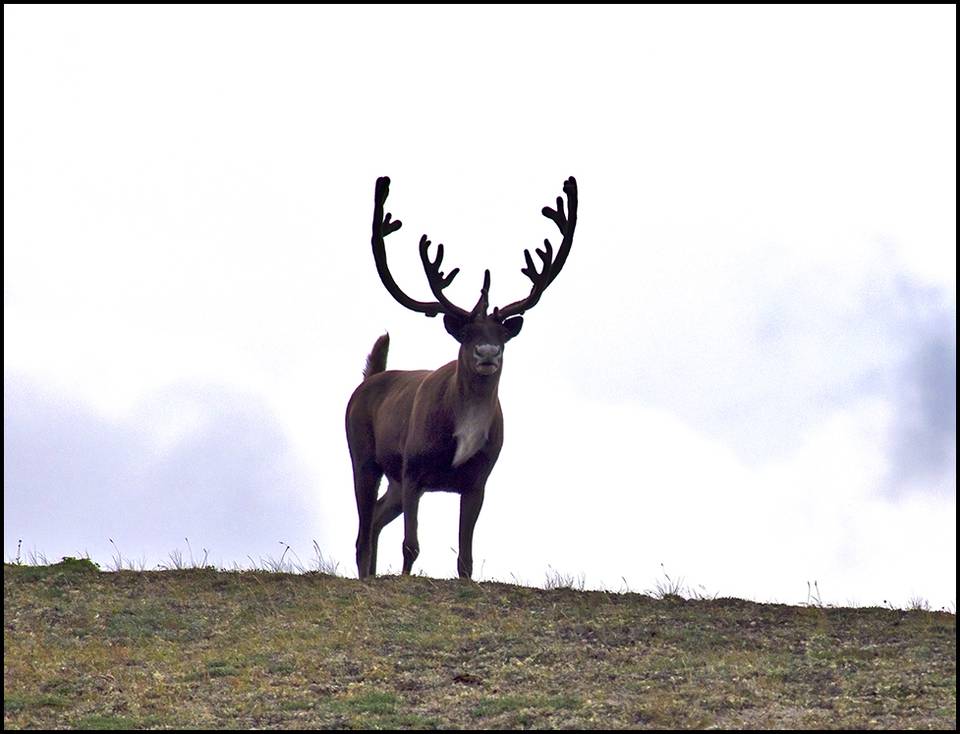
<point>202,648</point>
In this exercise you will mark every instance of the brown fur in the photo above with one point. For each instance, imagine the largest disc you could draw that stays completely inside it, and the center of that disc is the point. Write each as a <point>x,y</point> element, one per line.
<point>408,425</point>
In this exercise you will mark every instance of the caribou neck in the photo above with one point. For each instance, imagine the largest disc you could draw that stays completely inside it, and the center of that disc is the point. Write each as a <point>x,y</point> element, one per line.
<point>473,389</point>
<point>476,407</point>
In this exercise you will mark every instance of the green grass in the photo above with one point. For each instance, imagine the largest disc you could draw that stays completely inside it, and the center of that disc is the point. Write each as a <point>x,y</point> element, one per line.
<point>198,648</point>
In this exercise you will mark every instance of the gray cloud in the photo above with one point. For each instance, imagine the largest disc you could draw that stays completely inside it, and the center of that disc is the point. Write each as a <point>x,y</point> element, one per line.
<point>925,430</point>
<point>223,476</point>
<point>763,355</point>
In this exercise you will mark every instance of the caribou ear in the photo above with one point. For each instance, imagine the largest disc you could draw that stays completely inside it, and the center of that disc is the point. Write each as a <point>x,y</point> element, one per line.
<point>454,325</point>
<point>513,326</point>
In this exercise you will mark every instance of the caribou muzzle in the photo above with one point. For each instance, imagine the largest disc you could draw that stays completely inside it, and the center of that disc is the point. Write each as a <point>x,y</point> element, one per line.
<point>487,358</point>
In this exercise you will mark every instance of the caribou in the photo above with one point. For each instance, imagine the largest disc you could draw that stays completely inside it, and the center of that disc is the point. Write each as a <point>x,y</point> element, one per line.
<point>439,430</point>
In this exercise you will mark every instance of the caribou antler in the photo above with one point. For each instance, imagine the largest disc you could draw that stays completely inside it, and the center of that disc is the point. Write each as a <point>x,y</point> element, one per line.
<point>550,266</point>
<point>383,226</point>
<point>566,223</point>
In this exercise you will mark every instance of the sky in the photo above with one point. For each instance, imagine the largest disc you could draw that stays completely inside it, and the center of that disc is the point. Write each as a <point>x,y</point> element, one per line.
<point>745,376</point>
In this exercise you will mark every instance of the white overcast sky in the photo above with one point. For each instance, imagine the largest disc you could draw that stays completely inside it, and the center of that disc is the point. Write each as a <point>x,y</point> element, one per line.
<point>746,371</point>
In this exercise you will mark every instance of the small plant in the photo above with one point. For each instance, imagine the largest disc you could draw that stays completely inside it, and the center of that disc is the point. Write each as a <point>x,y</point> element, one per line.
<point>140,565</point>
<point>117,557</point>
<point>667,588</point>
<point>701,593</point>
<point>69,564</point>
<point>280,566</point>
<point>813,595</point>
<point>16,560</point>
<point>193,563</point>
<point>673,588</point>
<point>557,580</point>
<point>179,563</point>
<point>176,561</point>
<point>325,566</point>
<point>36,558</point>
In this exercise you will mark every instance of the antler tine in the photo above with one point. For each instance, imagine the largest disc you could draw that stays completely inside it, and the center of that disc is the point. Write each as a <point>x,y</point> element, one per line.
<point>546,255</point>
<point>566,223</point>
<point>383,226</point>
<point>436,278</point>
<point>483,303</point>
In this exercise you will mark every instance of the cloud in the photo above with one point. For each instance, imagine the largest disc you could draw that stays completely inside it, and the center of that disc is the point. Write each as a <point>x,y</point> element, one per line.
<point>924,436</point>
<point>195,462</point>
<point>769,347</point>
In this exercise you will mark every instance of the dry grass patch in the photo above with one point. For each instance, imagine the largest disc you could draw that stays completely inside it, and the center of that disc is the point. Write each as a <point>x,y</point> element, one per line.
<point>206,649</point>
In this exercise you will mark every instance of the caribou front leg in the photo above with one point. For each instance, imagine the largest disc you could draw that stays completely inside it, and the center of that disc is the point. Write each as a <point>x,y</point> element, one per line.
<point>470,504</point>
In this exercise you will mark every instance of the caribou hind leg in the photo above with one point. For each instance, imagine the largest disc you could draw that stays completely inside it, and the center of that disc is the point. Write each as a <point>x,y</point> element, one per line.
<point>387,510</point>
<point>366,479</point>
<point>411,504</point>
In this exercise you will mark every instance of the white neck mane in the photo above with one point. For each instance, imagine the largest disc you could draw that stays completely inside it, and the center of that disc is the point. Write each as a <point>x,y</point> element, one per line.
<point>471,430</point>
